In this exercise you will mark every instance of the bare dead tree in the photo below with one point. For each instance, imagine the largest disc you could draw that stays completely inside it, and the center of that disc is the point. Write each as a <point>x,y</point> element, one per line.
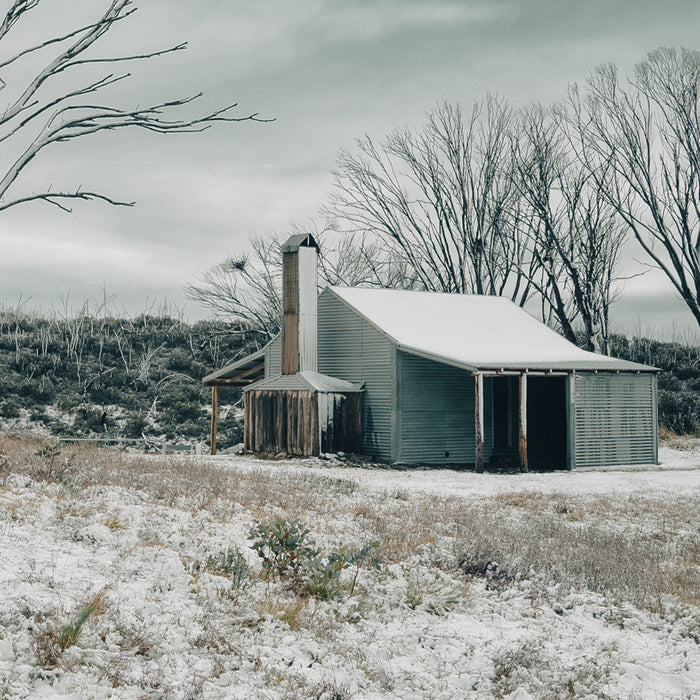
<point>37,114</point>
<point>248,287</point>
<point>574,233</point>
<point>441,200</point>
<point>640,142</point>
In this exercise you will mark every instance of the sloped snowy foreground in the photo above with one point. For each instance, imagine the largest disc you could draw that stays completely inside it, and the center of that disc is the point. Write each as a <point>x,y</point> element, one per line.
<point>493,585</point>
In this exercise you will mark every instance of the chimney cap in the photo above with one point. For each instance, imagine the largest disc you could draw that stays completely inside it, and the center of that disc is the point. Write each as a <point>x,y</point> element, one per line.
<point>299,240</point>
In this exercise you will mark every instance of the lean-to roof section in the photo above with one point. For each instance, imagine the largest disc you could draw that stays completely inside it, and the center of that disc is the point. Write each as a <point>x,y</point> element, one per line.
<point>473,331</point>
<point>245,371</point>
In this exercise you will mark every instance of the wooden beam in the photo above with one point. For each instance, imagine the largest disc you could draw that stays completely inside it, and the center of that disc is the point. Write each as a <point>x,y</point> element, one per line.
<point>479,422</point>
<point>522,423</point>
<point>247,424</point>
<point>234,382</point>
<point>214,416</point>
<point>253,370</point>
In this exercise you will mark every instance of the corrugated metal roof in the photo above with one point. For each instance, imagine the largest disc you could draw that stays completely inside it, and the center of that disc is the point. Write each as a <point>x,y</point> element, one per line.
<point>305,381</point>
<point>236,369</point>
<point>472,331</point>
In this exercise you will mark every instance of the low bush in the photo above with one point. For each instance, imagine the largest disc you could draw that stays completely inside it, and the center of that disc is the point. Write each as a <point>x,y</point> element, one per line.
<point>288,553</point>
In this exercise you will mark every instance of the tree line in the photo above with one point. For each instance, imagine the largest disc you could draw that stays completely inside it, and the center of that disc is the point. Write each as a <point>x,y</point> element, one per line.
<point>534,204</point>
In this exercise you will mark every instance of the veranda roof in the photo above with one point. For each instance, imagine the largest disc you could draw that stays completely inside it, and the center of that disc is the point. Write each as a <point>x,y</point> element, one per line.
<point>240,373</point>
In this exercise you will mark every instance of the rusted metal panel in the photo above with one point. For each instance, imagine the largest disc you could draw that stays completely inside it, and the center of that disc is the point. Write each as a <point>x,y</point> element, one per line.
<point>290,321</point>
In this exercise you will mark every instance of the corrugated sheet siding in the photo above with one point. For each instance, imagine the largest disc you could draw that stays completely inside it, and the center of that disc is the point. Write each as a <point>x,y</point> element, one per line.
<point>273,357</point>
<point>350,348</point>
<point>614,419</point>
<point>307,257</point>
<point>436,406</point>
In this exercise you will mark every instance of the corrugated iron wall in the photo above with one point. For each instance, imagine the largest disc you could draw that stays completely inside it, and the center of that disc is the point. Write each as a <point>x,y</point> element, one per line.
<point>350,348</point>
<point>615,419</point>
<point>436,413</point>
<point>273,357</point>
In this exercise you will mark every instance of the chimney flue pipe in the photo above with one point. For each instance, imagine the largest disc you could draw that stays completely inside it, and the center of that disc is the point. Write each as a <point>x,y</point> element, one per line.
<point>299,302</point>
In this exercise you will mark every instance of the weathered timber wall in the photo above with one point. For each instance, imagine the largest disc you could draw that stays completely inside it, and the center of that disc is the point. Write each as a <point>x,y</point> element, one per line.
<point>282,421</point>
<point>340,419</point>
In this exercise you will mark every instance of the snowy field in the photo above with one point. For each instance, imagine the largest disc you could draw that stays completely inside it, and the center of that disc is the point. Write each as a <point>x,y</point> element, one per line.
<point>126,576</point>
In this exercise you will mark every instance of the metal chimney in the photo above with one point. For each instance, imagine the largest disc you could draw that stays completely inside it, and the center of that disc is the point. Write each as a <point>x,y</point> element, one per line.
<point>299,302</point>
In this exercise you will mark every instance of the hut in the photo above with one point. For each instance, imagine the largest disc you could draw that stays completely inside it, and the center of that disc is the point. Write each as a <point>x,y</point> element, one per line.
<point>448,379</point>
<point>296,411</point>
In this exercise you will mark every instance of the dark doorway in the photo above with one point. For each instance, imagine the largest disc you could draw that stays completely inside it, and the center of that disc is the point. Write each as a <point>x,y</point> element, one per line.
<point>505,418</point>
<point>546,422</point>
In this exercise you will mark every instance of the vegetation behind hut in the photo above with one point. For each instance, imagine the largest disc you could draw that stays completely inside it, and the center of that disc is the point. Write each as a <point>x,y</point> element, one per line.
<point>92,375</point>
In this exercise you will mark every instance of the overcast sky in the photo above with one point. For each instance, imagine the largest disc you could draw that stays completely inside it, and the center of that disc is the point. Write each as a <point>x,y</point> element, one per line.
<point>327,72</point>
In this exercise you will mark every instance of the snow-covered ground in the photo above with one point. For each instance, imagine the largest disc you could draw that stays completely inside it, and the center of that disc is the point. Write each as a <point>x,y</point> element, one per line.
<point>134,543</point>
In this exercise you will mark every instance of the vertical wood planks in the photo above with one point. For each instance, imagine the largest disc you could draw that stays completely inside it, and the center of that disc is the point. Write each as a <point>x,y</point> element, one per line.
<point>214,417</point>
<point>479,422</point>
<point>522,422</point>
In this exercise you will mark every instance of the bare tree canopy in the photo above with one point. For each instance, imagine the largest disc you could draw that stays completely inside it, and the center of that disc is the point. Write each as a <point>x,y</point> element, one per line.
<point>248,287</point>
<point>573,233</point>
<point>499,205</point>
<point>441,199</point>
<point>37,112</point>
<point>640,141</point>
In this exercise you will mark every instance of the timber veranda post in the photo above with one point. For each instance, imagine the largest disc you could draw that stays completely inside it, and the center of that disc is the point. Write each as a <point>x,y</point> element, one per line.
<point>479,422</point>
<point>214,416</point>
<point>522,422</point>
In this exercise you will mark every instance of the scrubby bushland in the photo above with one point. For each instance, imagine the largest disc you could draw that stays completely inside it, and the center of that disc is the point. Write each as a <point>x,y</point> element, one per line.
<point>97,375</point>
<point>679,380</point>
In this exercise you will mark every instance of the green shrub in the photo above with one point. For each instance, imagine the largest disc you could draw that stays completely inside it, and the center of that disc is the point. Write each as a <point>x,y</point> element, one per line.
<point>68,401</point>
<point>680,410</point>
<point>231,563</point>
<point>288,553</point>
<point>9,408</point>
<point>136,424</point>
<point>283,546</point>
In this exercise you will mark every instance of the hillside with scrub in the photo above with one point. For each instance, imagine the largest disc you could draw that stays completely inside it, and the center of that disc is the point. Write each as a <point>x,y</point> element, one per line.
<point>95,376</point>
<point>91,375</point>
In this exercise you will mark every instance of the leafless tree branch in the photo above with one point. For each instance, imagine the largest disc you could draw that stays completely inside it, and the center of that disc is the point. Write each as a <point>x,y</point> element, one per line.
<point>33,121</point>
